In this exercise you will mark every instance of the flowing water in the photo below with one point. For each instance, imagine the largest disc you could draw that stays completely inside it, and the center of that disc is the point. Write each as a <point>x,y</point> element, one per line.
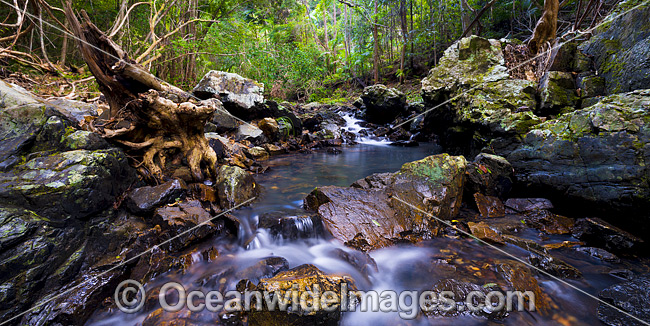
<point>408,267</point>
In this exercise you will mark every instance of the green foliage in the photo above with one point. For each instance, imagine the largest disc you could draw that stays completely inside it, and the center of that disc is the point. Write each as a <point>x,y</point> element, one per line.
<point>300,49</point>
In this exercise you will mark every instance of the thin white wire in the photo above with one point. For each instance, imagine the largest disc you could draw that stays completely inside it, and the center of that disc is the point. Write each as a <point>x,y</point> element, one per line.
<point>523,261</point>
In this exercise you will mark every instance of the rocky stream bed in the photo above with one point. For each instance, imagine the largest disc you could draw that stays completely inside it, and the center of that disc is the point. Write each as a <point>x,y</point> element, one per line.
<point>490,183</point>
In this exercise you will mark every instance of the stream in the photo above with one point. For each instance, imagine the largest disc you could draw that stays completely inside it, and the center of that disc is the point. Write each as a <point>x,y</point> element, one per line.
<point>406,267</point>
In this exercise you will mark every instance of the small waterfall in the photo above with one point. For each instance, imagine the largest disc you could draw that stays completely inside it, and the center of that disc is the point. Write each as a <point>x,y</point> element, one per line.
<point>352,125</point>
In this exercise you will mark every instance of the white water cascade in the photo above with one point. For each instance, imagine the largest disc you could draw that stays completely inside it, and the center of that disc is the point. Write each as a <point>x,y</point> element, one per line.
<point>352,125</point>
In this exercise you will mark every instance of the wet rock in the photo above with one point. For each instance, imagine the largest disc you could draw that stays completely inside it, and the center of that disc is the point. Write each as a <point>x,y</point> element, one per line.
<point>548,222</point>
<point>145,199</point>
<point>49,138</point>
<point>203,192</point>
<point>15,225</point>
<point>360,260</point>
<point>484,103</point>
<point>632,297</point>
<point>599,233</point>
<point>378,210</point>
<point>265,268</point>
<point>624,274</point>
<point>329,130</point>
<point>292,225</point>
<point>484,232</point>
<point>557,91</point>
<point>235,186</point>
<point>258,153</point>
<point>525,244</point>
<point>357,216</point>
<point>75,306</point>
<point>19,126</point>
<point>331,142</point>
<point>250,133</point>
<point>304,277</point>
<point>489,206</point>
<point>75,183</point>
<point>520,278</point>
<point>563,244</point>
<point>553,265</point>
<point>334,151</point>
<point>273,149</point>
<point>459,292</point>
<point>239,95</point>
<point>523,205</point>
<point>490,175</point>
<point>601,254</point>
<point>185,216</point>
<point>620,48</point>
<point>270,128</point>
<point>383,104</point>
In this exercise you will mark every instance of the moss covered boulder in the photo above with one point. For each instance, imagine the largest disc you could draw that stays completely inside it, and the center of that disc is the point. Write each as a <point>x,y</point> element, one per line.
<point>383,104</point>
<point>472,98</point>
<point>69,184</point>
<point>387,208</point>
<point>621,47</point>
<point>597,155</point>
<point>235,186</point>
<point>468,62</point>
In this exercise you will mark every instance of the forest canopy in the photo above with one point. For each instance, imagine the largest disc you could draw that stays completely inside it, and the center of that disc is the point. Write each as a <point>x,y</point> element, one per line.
<point>301,50</point>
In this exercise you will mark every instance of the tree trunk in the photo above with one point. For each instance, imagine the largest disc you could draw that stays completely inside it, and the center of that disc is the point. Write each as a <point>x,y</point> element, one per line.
<point>150,118</point>
<point>546,27</point>
<point>375,36</point>
<point>404,26</point>
<point>64,48</point>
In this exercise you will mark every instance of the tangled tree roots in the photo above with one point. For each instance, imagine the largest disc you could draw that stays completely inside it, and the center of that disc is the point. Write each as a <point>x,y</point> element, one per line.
<point>152,119</point>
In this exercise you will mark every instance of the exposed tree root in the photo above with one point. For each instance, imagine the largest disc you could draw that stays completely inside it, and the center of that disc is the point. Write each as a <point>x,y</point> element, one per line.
<point>151,119</point>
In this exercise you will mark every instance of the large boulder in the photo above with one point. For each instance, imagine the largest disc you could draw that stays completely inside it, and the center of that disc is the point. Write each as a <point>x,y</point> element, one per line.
<point>75,183</point>
<point>470,61</point>
<point>473,99</point>
<point>596,156</point>
<point>240,96</point>
<point>383,209</point>
<point>621,47</point>
<point>383,104</point>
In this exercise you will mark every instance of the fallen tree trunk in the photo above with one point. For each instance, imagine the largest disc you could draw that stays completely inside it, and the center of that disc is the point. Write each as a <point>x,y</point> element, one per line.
<point>153,120</point>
